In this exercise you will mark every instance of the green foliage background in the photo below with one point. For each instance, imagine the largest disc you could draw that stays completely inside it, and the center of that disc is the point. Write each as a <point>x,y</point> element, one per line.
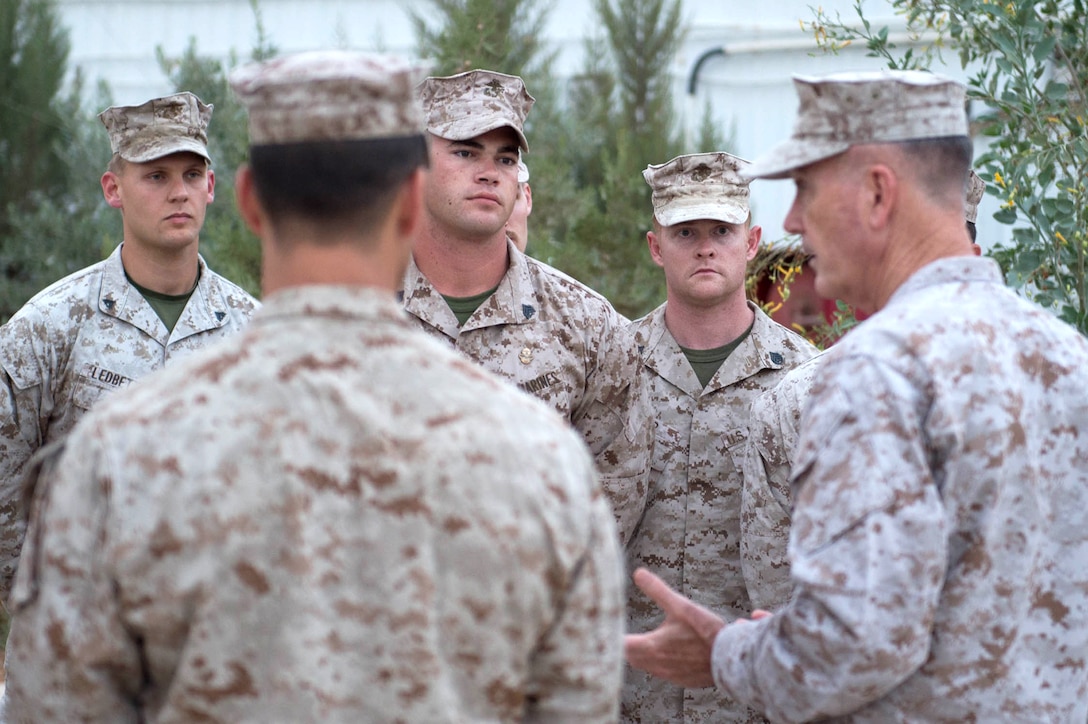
<point>591,135</point>
<point>590,139</point>
<point>1028,72</point>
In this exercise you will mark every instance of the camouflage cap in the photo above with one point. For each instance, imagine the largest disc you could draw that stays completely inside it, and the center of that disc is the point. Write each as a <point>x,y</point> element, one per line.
<point>975,188</point>
<point>466,105</point>
<point>845,109</point>
<point>331,95</point>
<point>699,186</point>
<point>523,172</point>
<point>172,124</point>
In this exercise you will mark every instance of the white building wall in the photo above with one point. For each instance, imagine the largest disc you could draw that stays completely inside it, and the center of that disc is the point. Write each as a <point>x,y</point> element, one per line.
<point>748,87</point>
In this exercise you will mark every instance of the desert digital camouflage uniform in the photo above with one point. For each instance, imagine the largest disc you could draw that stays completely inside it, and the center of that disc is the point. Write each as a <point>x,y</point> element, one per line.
<point>940,529</point>
<point>689,533</point>
<point>562,342</point>
<point>83,337</point>
<point>774,427</point>
<point>545,332</point>
<point>363,526</point>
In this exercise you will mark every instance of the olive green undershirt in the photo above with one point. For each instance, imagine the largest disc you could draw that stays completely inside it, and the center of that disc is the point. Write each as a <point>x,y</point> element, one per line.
<point>706,362</point>
<point>168,306</point>
<point>463,307</point>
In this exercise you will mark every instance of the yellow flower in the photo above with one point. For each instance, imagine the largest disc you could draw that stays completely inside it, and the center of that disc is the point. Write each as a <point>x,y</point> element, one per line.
<point>1060,238</point>
<point>998,179</point>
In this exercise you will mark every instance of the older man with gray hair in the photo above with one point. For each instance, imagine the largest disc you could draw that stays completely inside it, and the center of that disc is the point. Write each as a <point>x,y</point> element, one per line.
<point>940,527</point>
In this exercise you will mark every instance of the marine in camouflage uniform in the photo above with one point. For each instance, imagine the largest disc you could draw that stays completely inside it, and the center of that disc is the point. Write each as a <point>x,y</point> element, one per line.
<point>540,329</point>
<point>774,427</point>
<point>774,430</point>
<point>940,525</point>
<point>94,331</point>
<point>333,518</point>
<point>690,529</point>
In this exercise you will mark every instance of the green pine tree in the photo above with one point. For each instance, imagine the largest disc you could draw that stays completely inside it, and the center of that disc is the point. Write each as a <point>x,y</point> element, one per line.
<point>499,35</point>
<point>53,220</point>
<point>625,121</point>
<point>226,243</point>
<point>590,140</point>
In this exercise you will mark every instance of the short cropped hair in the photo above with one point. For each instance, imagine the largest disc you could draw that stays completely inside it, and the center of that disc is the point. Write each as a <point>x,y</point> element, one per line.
<point>942,164</point>
<point>116,164</point>
<point>337,184</point>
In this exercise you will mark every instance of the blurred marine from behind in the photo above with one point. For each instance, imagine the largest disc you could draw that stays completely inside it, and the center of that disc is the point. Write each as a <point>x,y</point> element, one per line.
<point>333,517</point>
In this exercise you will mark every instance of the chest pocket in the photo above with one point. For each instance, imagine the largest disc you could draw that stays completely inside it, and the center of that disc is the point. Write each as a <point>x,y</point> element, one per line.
<point>93,383</point>
<point>736,444</point>
<point>86,393</point>
<point>670,446</point>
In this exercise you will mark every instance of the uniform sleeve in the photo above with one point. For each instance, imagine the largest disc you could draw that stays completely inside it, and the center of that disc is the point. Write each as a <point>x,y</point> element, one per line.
<point>69,658</point>
<point>578,671</point>
<point>765,506</point>
<point>869,550</point>
<point>616,425</point>
<point>24,374</point>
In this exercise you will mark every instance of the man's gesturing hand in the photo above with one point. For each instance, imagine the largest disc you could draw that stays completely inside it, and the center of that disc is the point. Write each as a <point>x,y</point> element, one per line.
<point>679,649</point>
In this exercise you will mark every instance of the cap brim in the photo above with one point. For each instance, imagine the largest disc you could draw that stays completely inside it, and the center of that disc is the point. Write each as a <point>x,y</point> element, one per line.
<point>679,212</point>
<point>139,153</point>
<point>466,128</point>
<point>790,155</point>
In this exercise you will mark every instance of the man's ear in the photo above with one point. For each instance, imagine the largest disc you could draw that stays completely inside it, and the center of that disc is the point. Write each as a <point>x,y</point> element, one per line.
<point>882,186</point>
<point>245,196</point>
<point>755,234</point>
<point>211,186</point>
<point>111,189</point>
<point>407,212</point>
<point>528,191</point>
<point>655,248</point>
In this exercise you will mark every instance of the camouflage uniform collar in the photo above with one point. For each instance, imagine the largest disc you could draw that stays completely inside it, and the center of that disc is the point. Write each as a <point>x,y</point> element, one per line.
<point>514,300</point>
<point>946,271</point>
<point>769,345</point>
<point>331,300</point>
<point>661,353</point>
<point>208,307</point>
<point>760,350</point>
